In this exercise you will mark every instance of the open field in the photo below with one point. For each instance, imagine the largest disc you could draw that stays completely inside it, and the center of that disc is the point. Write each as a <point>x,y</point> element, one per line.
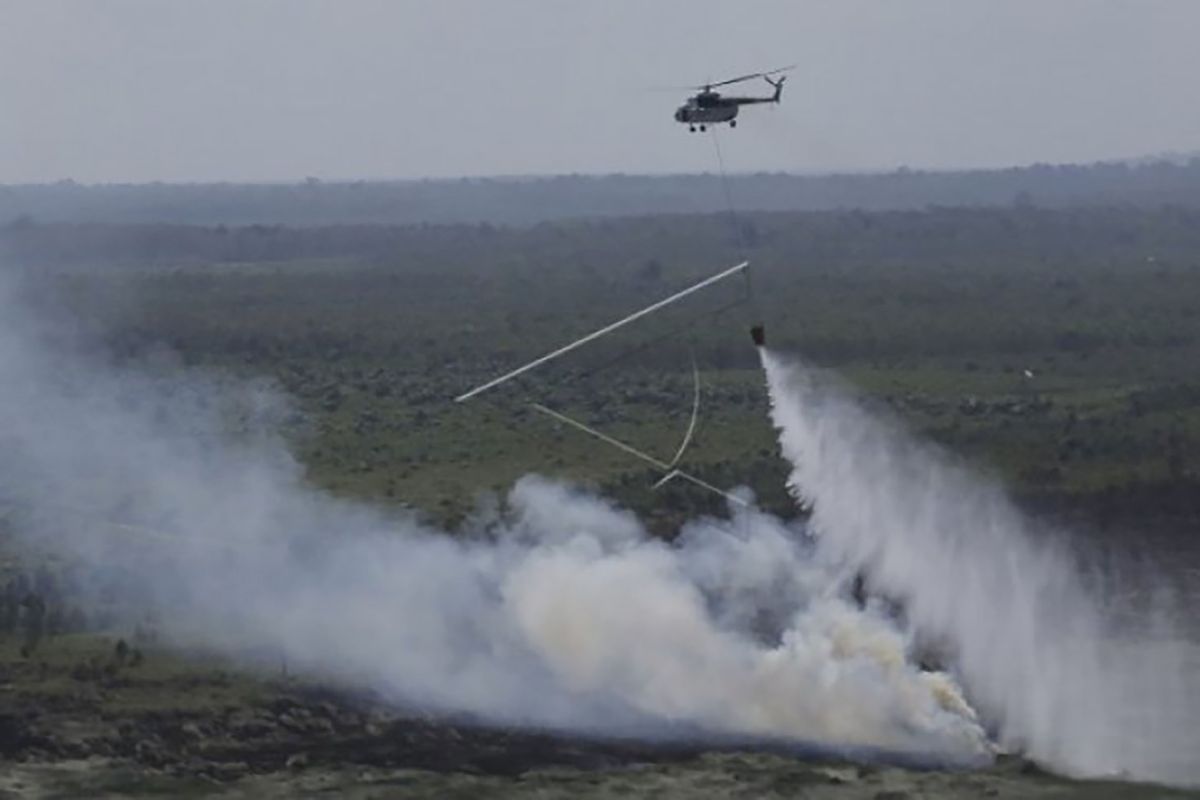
<point>1055,348</point>
<point>600,400</point>
<point>78,719</point>
<point>1052,349</point>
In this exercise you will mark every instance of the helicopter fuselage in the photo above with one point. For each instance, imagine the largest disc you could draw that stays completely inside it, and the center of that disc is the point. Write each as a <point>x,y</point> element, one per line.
<point>695,113</point>
<point>709,107</point>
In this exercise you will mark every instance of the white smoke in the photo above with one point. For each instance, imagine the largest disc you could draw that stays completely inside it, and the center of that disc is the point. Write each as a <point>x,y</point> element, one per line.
<point>560,611</point>
<point>1035,642</point>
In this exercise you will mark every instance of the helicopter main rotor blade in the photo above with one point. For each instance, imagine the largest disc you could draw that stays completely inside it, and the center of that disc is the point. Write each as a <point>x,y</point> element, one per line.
<point>731,80</point>
<point>746,77</point>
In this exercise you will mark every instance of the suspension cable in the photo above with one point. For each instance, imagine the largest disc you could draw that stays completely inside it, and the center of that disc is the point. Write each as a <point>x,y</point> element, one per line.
<point>739,232</point>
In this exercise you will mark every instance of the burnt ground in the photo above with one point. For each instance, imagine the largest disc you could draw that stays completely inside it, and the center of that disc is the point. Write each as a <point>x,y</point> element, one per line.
<point>76,720</point>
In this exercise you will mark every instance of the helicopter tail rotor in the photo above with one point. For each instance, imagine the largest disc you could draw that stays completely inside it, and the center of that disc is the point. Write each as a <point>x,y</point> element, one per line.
<point>778,84</point>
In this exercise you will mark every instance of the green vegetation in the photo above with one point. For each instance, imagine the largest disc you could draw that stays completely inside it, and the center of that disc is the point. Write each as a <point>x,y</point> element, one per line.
<point>1056,348</point>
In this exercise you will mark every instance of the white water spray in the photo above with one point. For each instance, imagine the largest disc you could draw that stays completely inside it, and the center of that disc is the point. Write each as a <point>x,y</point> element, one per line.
<point>1034,644</point>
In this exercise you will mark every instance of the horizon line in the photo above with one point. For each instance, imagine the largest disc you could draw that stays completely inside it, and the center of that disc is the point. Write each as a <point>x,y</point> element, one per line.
<point>1175,158</point>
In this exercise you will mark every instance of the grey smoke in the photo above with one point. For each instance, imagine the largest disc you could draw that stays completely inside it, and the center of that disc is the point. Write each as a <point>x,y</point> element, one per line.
<point>559,611</point>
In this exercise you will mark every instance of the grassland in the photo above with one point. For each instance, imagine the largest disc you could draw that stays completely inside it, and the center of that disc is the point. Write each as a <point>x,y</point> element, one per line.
<point>88,722</point>
<point>1053,348</point>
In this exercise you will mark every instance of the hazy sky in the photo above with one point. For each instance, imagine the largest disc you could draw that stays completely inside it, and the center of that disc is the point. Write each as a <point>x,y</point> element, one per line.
<point>139,90</point>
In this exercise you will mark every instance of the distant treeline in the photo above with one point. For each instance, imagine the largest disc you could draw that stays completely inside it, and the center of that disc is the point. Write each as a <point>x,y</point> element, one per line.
<point>516,201</point>
<point>1058,346</point>
<point>1080,237</point>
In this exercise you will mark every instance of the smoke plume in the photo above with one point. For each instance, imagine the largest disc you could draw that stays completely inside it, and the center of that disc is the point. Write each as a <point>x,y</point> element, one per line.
<point>560,610</point>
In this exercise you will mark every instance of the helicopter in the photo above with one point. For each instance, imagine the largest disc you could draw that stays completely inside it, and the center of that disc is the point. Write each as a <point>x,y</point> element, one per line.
<point>709,107</point>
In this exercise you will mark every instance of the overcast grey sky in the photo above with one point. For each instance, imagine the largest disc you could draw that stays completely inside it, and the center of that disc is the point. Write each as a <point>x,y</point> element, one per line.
<point>140,90</point>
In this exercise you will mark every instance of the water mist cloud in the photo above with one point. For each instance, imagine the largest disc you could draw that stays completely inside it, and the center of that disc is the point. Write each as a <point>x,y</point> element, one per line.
<point>1034,643</point>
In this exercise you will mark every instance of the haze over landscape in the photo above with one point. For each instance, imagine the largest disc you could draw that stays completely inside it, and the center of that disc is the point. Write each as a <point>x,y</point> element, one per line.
<point>277,90</point>
<point>921,337</point>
